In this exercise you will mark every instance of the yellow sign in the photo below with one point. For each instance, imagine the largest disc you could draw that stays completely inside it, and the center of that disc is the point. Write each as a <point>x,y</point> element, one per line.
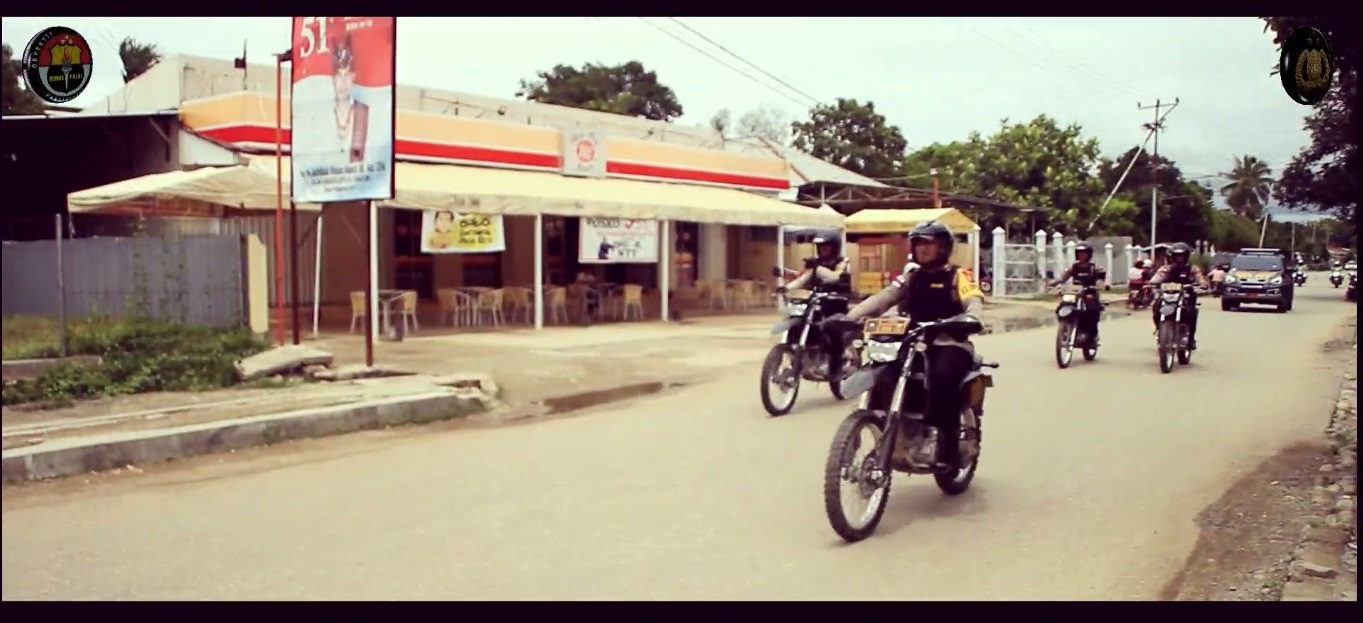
<point>444,231</point>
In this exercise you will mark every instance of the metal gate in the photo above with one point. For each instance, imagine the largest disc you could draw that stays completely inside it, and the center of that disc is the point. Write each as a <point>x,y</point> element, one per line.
<point>1022,276</point>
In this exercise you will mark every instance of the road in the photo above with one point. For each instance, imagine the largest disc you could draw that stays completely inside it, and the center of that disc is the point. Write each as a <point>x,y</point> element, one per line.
<point>1087,490</point>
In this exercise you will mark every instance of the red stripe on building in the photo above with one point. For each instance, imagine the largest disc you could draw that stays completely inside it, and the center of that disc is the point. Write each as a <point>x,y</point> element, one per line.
<point>467,153</point>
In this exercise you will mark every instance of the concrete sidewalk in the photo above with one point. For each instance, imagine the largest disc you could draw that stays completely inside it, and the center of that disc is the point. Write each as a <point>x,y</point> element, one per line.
<point>535,373</point>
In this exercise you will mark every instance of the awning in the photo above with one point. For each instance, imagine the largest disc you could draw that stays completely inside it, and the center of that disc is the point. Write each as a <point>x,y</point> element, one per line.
<point>207,192</point>
<point>510,192</point>
<point>901,221</point>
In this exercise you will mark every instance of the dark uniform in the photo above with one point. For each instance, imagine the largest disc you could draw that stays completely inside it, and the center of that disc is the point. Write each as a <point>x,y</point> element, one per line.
<point>1086,274</point>
<point>1179,269</point>
<point>935,291</point>
<point>827,272</point>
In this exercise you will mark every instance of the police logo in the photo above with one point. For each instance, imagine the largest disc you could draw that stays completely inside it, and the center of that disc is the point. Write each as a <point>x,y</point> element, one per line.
<point>57,64</point>
<point>1307,66</point>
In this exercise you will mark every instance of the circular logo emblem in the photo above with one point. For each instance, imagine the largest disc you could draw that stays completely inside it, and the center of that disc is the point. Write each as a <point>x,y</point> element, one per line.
<point>57,64</point>
<point>1307,66</point>
<point>586,150</point>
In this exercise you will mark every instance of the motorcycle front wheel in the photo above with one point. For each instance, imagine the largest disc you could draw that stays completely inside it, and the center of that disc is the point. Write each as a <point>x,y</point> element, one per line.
<point>1167,347</point>
<point>1064,343</point>
<point>850,363</point>
<point>867,486</point>
<point>788,380</point>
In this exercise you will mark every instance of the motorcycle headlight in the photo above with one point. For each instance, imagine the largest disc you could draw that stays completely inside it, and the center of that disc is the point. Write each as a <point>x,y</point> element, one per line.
<point>796,309</point>
<point>1275,281</point>
<point>1068,298</point>
<point>882,352</point>
<point>1170,297</point>
<point>1231,279</point>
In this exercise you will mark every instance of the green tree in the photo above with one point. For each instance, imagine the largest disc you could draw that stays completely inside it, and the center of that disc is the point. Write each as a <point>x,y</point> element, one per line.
<point>16,99</point>
<point>853,136</point>
<point>137,57</point>
<point>1251,185</point>
<point>1324,176</point>
<point>626,89</point>
<point>1184,208</point>
<point>1038,164</point>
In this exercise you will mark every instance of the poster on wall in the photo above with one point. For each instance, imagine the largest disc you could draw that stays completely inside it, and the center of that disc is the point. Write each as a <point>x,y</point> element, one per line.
<point>443,231</point>
<point>617,241</point>
<point>341,108</point>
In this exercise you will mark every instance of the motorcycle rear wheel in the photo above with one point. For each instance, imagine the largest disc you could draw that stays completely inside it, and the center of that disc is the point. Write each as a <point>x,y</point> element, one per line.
<point>841,455</point>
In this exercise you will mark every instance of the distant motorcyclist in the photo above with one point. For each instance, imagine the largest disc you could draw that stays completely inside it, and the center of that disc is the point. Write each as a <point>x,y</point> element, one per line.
<point>1180,269</point>
<point>935,291</point>
<point>826,272</point>
<point>1084,273</point>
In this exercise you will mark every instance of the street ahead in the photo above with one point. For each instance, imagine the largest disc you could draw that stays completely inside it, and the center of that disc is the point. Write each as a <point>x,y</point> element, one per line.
<point>1089,483</point>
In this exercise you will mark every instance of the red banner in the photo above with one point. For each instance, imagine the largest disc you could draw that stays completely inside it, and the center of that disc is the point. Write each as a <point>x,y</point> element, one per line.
<point>342,105</point>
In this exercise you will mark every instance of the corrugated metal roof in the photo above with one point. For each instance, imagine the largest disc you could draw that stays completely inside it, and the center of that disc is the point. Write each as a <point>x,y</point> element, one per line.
<point>805,169</point>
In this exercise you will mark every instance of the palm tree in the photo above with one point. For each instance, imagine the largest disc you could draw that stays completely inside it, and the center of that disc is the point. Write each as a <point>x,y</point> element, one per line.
<point>1251,184</point>
<point>137,58</point>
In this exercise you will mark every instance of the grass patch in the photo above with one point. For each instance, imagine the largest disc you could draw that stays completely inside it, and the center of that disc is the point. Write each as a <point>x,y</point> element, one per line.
<point>138,356</point>
<point>39,337</point>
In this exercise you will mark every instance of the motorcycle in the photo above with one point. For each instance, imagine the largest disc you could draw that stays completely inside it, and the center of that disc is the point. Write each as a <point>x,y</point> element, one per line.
<point>1336,278</point>
<point>1074,302</point>
<point>1299,278</point>
<point>894,390</point>
<point>1351,294</point>
<point>986,281</point>
<point>1138,296</point>
<point>804,344</point>
<point>1173,331</point>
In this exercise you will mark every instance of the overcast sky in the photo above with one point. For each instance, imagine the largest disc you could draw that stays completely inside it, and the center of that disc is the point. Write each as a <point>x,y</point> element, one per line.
<point>936,78</point>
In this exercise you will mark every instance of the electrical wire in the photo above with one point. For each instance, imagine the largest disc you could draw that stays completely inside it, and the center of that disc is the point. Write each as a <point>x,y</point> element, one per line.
<point>716,59</point>
<point>745,61</point>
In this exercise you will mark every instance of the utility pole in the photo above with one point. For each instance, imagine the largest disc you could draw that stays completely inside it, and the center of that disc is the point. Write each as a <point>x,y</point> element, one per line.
<point>1154,128</point>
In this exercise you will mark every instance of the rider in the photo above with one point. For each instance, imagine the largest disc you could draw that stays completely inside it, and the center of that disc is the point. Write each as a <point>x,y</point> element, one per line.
<point>1086,274</point>
<point>1180,269</point>
<point>935,291</point>
<point>828,272</point>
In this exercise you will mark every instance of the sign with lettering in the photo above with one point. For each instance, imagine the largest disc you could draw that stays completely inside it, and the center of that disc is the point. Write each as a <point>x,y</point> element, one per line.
<point>443,231</point>
<point>617,241</point>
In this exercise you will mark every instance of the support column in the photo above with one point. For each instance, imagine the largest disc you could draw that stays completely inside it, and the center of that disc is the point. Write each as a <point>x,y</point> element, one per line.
<point>539,271</point>
<point>665,268</point>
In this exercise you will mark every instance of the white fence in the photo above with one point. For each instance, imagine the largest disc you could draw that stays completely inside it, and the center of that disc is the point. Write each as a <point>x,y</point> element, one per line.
<point>1021,269</point>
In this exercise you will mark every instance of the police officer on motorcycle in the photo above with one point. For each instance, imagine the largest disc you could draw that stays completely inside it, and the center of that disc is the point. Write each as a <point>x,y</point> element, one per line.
<point>936,290</point>
<point>1086,274</point>
<point>827,272</point>
<point>1178,268</point>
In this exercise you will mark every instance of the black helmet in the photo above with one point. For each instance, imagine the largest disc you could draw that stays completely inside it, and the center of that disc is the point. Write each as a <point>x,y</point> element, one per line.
<point>1083,247</point>
<point>824,241</point>
<point>932,230</point>
<point>1180,250</point>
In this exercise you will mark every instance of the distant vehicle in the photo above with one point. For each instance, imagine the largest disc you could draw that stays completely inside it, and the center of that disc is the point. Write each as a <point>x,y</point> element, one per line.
<point>1259,277</point>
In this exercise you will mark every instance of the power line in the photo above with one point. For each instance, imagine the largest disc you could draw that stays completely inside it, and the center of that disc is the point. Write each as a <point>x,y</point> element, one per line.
<point>716,59</point>
<point>743,60</point>
<point>1096,77</point>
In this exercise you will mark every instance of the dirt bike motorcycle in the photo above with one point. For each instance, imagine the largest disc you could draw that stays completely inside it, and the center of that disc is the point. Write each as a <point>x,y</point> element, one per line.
<point>1336,278</point>
<point>894,394</point>
<point>1074,302</point>
<point>1299,278</point>
<point>1172,329</point>
<point>804,345</point>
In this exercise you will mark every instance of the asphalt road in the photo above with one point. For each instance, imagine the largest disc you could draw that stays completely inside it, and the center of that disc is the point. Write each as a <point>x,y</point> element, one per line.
<point>1089,483</point>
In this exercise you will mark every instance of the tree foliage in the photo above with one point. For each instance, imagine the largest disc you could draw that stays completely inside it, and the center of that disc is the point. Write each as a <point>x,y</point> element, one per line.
<point>1251,185</point>
<point>137,58</point>
<point>766,122</point>
<point>626,89</point>
<point>853,136</point>
<point>1324,176</point>
<point>16,99</point>
<point>1038,164</point>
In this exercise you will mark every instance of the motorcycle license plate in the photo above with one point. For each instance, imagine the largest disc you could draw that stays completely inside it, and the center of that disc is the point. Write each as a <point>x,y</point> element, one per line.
<point>1067,298</point>
<point>1170,287</point>
<point>887,326</point>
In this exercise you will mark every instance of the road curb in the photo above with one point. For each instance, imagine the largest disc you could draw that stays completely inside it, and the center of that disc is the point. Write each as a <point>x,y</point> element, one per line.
<point>60,458</point>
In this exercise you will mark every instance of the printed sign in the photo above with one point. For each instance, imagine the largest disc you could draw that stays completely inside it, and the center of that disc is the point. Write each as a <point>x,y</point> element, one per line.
<point>617,241</point>
<point>341,126</point>
<point>584,155</point>
<point>443,231</point>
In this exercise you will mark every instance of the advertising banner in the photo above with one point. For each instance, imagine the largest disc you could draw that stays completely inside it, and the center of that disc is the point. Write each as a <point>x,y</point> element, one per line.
<point>617,241</point>
<point>341,107</point>
<point>443,231</point>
